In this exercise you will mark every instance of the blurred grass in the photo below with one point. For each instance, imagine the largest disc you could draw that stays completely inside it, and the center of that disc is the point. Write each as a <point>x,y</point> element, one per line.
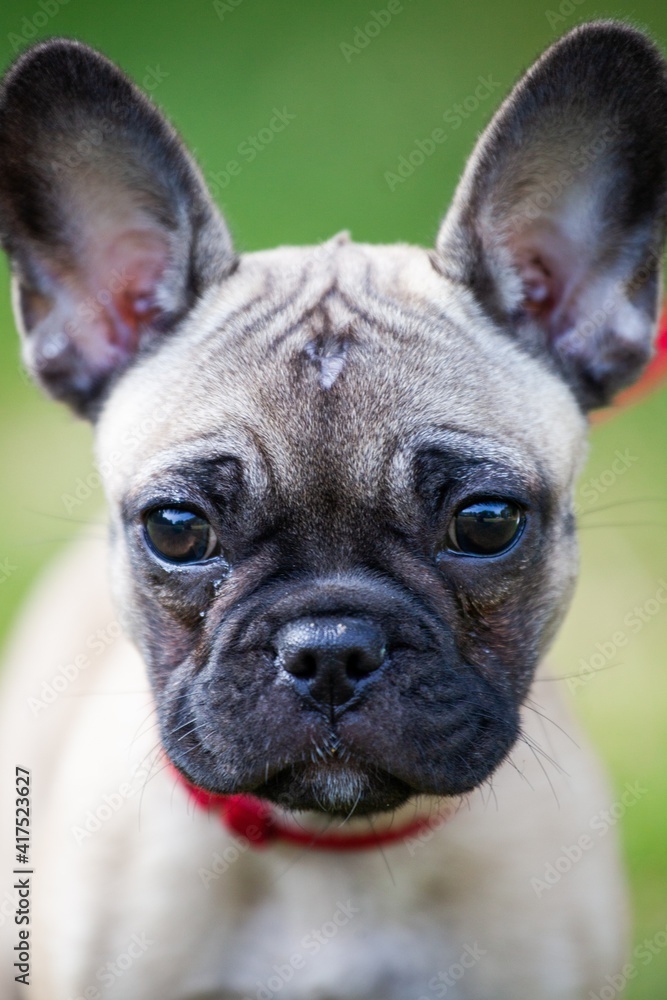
<point>220,80</point>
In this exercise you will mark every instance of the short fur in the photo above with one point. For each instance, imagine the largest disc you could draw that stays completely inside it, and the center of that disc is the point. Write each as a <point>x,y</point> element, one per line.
<point>328,410</point>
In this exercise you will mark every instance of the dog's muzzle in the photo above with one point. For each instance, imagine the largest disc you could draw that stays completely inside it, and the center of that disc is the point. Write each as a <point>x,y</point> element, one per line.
<point>345,694</point>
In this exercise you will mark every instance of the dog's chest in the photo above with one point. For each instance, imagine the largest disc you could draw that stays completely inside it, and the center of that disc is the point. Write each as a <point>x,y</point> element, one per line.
<point>341,930</point>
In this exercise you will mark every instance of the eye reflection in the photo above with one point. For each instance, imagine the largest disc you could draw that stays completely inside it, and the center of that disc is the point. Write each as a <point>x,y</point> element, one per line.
<point>180,535</point>
<point>486,527</point>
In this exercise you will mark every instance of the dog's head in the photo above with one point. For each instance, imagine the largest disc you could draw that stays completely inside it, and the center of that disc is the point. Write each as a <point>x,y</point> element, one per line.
<point>340,478</point>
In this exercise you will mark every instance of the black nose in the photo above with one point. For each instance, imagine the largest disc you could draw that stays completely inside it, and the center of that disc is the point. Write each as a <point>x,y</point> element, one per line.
<point>329,656</point>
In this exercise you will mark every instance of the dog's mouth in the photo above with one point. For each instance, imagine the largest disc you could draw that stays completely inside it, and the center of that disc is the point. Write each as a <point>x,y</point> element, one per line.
<point>358,768</point>
<point>337,788</point>
<point>333,782</point>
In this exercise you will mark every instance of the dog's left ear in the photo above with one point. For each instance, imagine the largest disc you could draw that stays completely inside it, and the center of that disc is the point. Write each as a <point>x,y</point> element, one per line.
<point>558,223</point>
<point>110,229</point>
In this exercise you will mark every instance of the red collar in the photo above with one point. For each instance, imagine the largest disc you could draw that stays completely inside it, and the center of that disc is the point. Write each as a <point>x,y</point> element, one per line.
<point>249,817</point>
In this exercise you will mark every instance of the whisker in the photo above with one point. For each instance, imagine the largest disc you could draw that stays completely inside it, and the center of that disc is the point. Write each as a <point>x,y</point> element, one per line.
<point>139,731</point>
<point>380,850</point>
<point>521,773</point>
<point>545,773</point>
<point>621,524</point>
<point>101,694</point>
<point>530,742</point>
<point>582,673</point>
<point>599,508</point>
<point>546,718</point>
<point>351,812</point>
<point>159,755</point>
<point>96,521</point>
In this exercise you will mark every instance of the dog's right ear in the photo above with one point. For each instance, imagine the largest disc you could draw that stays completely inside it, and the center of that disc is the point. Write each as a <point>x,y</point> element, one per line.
<point>110,230</point>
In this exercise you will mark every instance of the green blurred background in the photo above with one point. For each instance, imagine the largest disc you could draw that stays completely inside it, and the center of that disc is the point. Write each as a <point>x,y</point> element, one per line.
<point>219,70</point>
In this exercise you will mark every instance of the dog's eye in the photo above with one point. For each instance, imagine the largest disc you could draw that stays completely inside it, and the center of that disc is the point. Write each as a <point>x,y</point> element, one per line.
<point>181,536</point>
<point>486,527</point>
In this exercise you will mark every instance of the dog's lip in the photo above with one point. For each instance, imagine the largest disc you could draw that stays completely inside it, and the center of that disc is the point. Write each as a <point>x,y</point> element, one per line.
<point>292,788</point>
<point>289,785</point>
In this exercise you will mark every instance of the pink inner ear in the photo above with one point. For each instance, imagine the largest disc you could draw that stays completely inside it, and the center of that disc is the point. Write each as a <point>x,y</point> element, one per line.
<point>539,294</point>
<point>124,274</point>
<point>551,267</point>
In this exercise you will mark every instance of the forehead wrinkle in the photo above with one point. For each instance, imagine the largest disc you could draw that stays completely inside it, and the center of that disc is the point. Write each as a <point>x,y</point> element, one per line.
<point>375,403</point>
<point>412,362</point>
<point>304,276</point>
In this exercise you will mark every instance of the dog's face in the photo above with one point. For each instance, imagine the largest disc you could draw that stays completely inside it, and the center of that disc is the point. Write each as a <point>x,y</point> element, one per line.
<point>344,551</point>
<point>340,478</point>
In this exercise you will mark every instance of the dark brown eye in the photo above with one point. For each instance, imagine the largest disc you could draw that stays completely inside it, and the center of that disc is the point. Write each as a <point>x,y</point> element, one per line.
<point>181,536</point>
<point>485,528</point>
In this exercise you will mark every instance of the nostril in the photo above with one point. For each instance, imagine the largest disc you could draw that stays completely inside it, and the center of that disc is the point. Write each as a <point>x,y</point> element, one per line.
<point>361,662</point>
<point>304,665</point>
<point>353,667</point>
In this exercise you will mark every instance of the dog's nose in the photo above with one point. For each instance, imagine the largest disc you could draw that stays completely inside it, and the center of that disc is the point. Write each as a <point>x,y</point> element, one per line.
<point>330,656</point>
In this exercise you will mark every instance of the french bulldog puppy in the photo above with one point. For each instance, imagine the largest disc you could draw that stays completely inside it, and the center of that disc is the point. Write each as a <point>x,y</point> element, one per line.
<point>340,488</point>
